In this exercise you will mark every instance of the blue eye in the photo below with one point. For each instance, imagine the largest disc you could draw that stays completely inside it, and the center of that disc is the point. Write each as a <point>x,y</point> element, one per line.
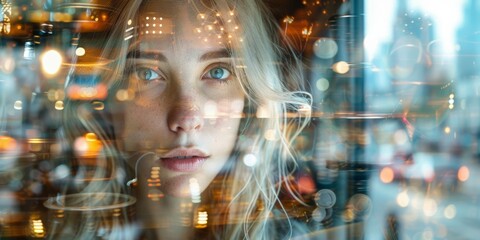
<point>147,74</point>
<point>218,73</point>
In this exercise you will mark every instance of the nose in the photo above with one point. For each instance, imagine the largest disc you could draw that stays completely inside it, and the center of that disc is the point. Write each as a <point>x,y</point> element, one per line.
<point>185,116</point>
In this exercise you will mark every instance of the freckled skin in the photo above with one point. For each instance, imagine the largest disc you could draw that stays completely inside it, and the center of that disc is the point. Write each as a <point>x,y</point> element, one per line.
<point>170,113</point>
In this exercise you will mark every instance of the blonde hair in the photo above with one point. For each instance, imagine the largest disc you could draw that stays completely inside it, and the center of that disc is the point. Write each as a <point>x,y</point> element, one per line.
<point>269,85</point>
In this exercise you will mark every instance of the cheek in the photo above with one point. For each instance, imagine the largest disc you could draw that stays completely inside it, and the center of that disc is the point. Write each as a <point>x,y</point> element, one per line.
<point>223,115</point>
<point>138,123</point>
<point>231,107</point>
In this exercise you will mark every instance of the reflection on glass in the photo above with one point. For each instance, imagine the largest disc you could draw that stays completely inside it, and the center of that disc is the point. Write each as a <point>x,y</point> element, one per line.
<point>150,119</point>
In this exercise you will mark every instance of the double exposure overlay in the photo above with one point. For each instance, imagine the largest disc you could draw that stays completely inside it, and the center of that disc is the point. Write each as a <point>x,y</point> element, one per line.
<point>229,119</point>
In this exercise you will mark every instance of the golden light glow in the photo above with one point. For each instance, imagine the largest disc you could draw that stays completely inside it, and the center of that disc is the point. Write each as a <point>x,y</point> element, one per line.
<point>6,14</point>
<point>51,62</point>
<point>202,219</point>
<point>124,95</point>
<point>91,137</point>
<point>59,105</point>
<point>98,105</point>
<point>7,143</point>
<point>35,144</point>
<point>37,229</point>
<point>77,92</point>
<point>387,175</point>
<point>447,130</point>
<point>341,67</point>
<point>348,215</point>
<point>88,145</point>
<point>55,94</point>
<point>155,194</point>
<point>80,51</point>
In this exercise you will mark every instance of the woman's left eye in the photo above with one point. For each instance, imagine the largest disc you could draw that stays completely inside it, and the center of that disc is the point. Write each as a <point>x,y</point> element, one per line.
<point>217,73</point>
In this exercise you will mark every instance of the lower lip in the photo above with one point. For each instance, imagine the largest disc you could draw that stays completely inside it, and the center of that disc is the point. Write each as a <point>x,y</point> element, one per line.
<point>183,164</point>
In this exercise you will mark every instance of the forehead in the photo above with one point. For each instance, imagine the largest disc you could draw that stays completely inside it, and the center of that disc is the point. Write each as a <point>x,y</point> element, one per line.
<point>185,14</point>
<point>190,21</point>
<point>169,9</point>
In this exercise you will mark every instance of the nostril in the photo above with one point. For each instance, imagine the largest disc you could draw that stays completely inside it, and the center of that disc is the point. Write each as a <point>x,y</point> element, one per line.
<point>185,115</point>
<point>185,123</point>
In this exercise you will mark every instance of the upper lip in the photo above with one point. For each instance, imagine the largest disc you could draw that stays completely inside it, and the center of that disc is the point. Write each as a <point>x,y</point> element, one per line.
<point>185,152</point>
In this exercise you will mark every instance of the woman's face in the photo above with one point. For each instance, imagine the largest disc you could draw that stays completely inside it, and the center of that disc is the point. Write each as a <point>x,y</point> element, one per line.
<point>187,104</point>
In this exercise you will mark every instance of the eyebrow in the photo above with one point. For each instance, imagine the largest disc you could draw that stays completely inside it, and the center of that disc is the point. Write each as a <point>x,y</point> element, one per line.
<point>147,55</point>
<point>223,53</point>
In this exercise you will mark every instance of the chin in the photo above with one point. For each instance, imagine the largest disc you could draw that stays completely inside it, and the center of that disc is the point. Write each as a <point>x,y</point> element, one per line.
<point>182,186</point>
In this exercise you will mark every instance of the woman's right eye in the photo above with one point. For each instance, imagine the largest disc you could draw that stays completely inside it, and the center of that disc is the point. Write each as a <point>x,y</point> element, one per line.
<point>147,74</point>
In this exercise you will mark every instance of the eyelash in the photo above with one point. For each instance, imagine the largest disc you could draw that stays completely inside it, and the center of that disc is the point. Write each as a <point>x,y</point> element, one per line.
<point>227,67</point>
<point>134,71</point>
<point>224,66</point>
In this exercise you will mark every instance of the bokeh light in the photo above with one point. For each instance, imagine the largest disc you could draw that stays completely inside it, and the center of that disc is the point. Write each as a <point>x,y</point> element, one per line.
<point>202,219</point>
<point>195,190</point>
<point>341,67</point>
<point>271,135</point>
<point>450,211</point>
<point>51,62</point>
<point>124,95</point>
<point>402,199</point>
<point>59,105</point>
<point>463,173</point>
<point>7,65</point>
<point>325,48</point>
<point>88,145</point>
<point>7,143</point>
<point>400,137</point>
<point>429,207</point>
<point>80,51</point>
<point>36,228</point>
<point>250,160</point>
<point>387,175</point>
<point>447,130</point>
<point>322,84</point>
<point>319,214</point>
<point>325,198</point>
<point>18,105</point>
<point>62,171</point>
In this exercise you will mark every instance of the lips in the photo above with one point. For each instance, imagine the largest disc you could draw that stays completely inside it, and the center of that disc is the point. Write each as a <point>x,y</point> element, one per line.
<point>183,159</point>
